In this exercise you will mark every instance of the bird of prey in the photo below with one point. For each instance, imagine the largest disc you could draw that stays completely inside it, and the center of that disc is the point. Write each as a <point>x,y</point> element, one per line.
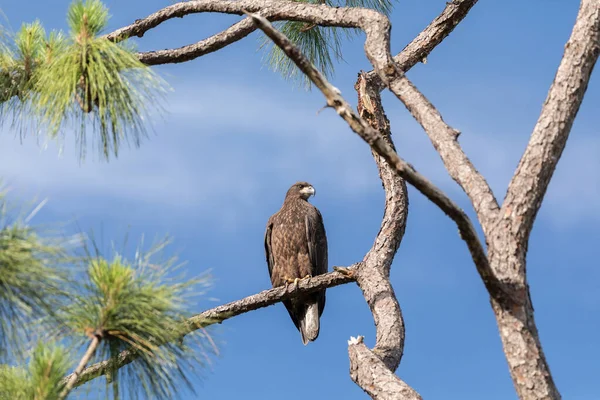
<point>296,248</point>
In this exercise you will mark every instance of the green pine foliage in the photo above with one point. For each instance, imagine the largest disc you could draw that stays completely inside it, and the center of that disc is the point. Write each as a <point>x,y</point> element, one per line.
<point>33,277</point>
<point>42,380</point>
<point>139,305</point>
<point>60,82</point>
<point>321,45</point>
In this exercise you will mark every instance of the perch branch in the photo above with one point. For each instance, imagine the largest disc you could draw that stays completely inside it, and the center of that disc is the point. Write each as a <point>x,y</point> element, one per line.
<point>223,312</point>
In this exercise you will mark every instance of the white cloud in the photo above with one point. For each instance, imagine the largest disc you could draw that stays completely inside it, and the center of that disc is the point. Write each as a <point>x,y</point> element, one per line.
<point>220,148</point>
<point>223,145</point>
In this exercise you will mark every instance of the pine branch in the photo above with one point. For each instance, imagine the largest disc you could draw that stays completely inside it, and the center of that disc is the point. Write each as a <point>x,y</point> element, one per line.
<point>221,313</point>
<point>84,361</point>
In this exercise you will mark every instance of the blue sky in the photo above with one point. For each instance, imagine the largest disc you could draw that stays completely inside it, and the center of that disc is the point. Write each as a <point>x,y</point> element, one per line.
<point>237,135</point>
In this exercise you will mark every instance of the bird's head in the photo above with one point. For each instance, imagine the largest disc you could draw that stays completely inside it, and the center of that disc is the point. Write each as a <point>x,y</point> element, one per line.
<point>302,190</point>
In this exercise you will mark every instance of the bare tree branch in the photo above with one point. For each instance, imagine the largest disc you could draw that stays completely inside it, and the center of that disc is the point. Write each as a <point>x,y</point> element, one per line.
<point>223,312</point>
<point>374,275</point>
<point>528,186</point>
<point>371,374</point>
<point>445,140</point>
<point>271,9</point>
<point>420,47</point>
<point>216,42</point>
<point>415,51</point>
<point>375,25</point>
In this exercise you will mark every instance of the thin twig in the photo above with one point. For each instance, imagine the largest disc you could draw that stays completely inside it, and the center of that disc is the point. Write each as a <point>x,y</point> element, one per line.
<point>216,42</point>
<point>72,379</point>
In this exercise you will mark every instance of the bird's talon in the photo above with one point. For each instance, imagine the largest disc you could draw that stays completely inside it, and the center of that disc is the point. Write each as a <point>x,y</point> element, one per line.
<point>288,281</point>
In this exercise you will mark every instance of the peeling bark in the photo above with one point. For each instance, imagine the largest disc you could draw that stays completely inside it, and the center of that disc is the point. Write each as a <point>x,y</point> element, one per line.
<point>371,374</point>
<point>374,273</point>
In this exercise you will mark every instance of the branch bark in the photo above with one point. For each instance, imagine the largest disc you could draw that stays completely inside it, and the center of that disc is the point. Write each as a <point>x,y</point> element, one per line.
<point>216,42</point>
<point>445,141</point>
<point>72,379</point>
<point>528,186</point>
<point>374,274</point>
<point>373,375</point>
<point>223,312</point>
<point>427,40</point>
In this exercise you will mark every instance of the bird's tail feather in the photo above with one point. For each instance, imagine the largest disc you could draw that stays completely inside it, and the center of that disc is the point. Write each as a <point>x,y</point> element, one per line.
<point>309,324</point>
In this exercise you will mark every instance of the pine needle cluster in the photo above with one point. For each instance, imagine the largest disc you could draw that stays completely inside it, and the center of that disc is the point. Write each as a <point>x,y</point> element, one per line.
<point>33,276</point>
<point>56,81</point>
<point>322,45</point>
<point>48,295</point>
<point>140,306</point>
<point>41,380</point>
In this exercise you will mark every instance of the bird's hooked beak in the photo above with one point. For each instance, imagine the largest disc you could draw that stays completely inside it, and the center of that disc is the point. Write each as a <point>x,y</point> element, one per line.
<point>308,191</point>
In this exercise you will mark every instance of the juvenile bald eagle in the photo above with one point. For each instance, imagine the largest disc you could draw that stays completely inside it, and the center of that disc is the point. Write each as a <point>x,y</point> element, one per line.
<point>296,248</point>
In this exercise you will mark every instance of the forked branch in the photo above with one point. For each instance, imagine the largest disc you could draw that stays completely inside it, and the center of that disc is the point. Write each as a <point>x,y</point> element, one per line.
<point>427,40</point>
<point>528,186</point>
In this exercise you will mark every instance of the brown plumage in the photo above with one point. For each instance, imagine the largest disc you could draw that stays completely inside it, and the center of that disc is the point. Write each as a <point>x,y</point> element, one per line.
<point>296,247</point>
